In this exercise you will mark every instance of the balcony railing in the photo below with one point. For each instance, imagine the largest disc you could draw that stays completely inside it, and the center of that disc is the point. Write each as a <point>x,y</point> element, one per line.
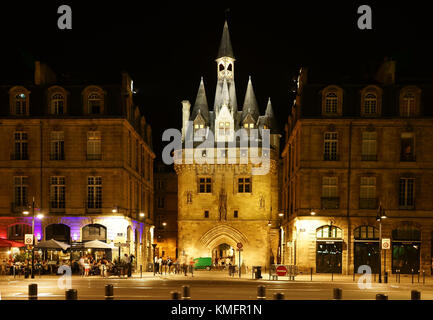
<point>93,207</point>
<point>19,156</point>
<point>19,207</point>
<point>56,206</point>
<point>330,157</point>
<point>369,157</point>
<point>57,156</point>
<point>330,203</point>
<point>94,156</point>
<point>407,157</point>
<point>368,203</point>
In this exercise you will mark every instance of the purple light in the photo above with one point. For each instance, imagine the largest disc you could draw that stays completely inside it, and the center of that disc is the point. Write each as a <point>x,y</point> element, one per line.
<point>38,236</point>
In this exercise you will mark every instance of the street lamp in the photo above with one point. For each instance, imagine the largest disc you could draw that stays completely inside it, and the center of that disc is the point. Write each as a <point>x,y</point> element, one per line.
<point>154,248</point>
<point>381,214</point>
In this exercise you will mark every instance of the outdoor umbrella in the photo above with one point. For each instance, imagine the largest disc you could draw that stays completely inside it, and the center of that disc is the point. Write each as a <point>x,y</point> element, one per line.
<point>53,244</point>
<point>96,244</point>
<point>9,244</point>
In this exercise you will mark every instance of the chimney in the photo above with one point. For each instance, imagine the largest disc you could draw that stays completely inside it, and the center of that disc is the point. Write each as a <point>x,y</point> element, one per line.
<point>386,72</point>
<point>44,74</point>
<point>186,105</point>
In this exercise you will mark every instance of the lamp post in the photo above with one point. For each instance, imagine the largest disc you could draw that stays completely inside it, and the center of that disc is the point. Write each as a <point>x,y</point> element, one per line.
<point>381,214</point>
<point>153,260</point>
<point>33,233</point>
<point>280,220</point>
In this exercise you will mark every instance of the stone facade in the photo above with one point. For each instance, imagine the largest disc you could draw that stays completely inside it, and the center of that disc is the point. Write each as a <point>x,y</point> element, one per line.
<point>123,159</point>
<point>396,165</point>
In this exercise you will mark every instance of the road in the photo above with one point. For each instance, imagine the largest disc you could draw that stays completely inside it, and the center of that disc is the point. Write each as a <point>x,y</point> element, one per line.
<point>205,286</point>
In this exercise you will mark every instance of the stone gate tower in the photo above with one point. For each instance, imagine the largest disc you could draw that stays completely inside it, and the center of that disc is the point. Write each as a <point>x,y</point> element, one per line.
<point>227,173</point>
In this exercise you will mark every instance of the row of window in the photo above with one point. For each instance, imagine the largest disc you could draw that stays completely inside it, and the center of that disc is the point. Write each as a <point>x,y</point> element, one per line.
<point>371,101</point>
<point>244,185</point>
<point>58,193</point>
<point>235,214</point>
<point>367,194</point>
<point>93,100</point>
<point>369,146</point>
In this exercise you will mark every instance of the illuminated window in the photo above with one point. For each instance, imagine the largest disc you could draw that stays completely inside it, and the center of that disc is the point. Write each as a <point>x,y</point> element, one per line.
<point>19,100</point>
<point>370,104</point>
<point>331,103</point>
<point>366,233</point>
<point>329,187</point>
<point>328,232</point>
<point>407,146</point>
<point>94,145</point>
<point>224,128</point>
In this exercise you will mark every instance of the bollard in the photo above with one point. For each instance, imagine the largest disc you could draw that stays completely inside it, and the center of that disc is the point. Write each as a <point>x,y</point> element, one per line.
<point>338,293</point>
<point>71,294</point>
<point>385,278</point>
<point>381,296</point>
<point>141,271</point>
<point>353,276</point>
<point>311,274</point>
<point>374,278</point>
<point>109,292</point>
<point>332,276</point>
<point>415,295</point>
<point>186,293</point>
<point>418,276</point>
<point>423,277</point>
<point>279,296</point>
<point>261,292</point>
<point>33,291</point>
<point>412,276</point>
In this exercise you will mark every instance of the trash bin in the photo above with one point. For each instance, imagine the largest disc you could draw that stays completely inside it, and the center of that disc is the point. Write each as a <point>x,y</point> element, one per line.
<point>257,270</point>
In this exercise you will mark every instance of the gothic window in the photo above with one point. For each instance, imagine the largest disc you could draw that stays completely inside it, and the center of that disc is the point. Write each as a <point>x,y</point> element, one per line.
<point>189,197</point>
<point>224,128</point>
<point>244,185</point>
<point>221,67</point>
<point>230,68</point>
<point>205,185</point>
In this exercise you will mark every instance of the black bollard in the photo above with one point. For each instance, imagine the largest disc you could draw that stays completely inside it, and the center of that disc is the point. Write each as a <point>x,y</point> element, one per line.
<point>381,296</point>
<point>186,293</point>
<point>279,296</point>
<point>353,276</point>
<point>261,292</point>
<point>415,295</point>
<point>109,292</point>
<point>33,291</point>
<point>175,295</point>
<point>311,274</point>
<point>332,276</point>
<point>385,278</point>
<point>338,293</point>
<point>71,294</point>
<point>141,271</point>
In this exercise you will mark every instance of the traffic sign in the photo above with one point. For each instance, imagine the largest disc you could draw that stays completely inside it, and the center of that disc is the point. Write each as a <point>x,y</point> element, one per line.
<point>281,271</point>
<point>28,239</point>
<point>386,243</point>
<point>239,245</point>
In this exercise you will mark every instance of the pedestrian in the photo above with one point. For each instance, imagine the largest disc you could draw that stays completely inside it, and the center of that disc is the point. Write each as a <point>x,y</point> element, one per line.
<point>127,264</point>
<point>155,265</point>
<point>160,265</point>
<point>191,266</point>
<point>169,264</point>
<point>131,264</point>
<point>81,264</point>
<point>86,267</point>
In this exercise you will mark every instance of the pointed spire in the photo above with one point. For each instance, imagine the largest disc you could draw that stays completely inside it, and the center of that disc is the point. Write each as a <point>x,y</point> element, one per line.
<point>250,103</point>
<point>270,118</point>
<point>200,105</point>
<point>225,49</point>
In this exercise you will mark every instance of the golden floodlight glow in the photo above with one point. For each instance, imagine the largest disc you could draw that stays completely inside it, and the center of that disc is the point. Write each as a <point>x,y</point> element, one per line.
<point>164,224</point>
<point>26,212</point>
<point>141,214</point>
<point>313,213</point>
<point>40,216</point>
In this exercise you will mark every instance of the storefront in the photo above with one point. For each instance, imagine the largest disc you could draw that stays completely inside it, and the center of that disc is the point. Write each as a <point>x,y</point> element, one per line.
<point>366,248</point>
<point>329,248</point>
<point>406,248</point>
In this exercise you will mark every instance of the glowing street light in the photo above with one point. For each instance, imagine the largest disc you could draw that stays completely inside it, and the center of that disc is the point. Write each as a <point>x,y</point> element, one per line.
<point>142,214</point>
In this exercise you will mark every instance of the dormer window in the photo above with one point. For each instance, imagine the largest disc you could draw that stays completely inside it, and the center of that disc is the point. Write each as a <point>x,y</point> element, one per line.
<point>410,101</point>
<point>224,128</point>
<point>19,101</point>
<point>94,100</point>
<point>332,101</point>
<point>371,101</point>
<point>58,103</point>
<point>95,103</point>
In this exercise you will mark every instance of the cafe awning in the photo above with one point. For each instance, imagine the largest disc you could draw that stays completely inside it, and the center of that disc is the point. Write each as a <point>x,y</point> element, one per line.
<point>96,244</point>
<point>52,244</point>
<point>10,244</point>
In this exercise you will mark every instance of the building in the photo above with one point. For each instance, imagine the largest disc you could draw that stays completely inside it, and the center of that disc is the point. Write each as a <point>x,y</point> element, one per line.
<point>354,148</point>
<point>81,153</point>
<point>223,198</point>
<point>165,211</point>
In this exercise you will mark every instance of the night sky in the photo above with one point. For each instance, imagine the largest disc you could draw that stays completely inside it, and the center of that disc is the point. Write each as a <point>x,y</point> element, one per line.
<point>167,47</point>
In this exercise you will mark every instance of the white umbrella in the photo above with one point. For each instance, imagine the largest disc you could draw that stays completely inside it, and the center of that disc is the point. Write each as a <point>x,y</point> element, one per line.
<point>96,244</point>
<point>52,244</point>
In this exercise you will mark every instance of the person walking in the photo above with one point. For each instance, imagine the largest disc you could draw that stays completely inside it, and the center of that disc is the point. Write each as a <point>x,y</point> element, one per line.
<point>160,265</point>
<point>131,265</point>
<point>169,264</point>
<point>155,266</point>
<point>191,266</point>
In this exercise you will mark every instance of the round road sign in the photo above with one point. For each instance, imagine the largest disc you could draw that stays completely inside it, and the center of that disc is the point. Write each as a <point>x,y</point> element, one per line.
<point>239,245</point>
<point>281,271</point>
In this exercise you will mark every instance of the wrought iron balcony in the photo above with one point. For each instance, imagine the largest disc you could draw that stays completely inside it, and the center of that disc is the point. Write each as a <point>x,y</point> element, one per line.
<point>368,203</point>
<point>407,157</point>
<point>330,203</point>
<point>369,157</point>
<point>19,156</point>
